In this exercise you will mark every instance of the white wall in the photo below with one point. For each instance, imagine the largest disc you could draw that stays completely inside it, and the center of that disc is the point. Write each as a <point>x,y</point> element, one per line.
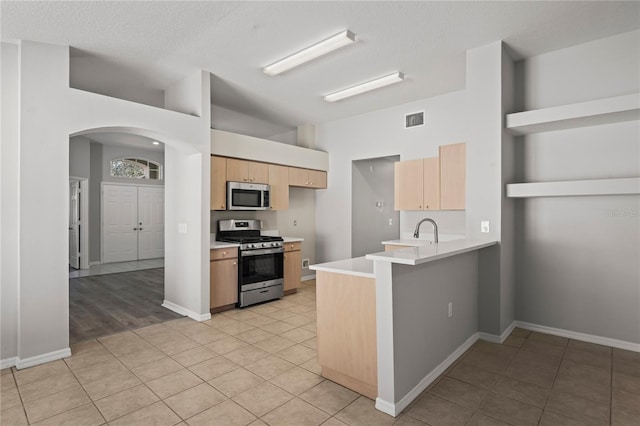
<point>489,92</point>
<point>237,122</point>
<point>95,202</point>
<point>578,257</point>
<point>79,157</point>
<point>187,201</point>
<point>94,74</point>
<point>49,113</point>
<point>9,203</point>
<point>380,134</point>
<point>44,146</point>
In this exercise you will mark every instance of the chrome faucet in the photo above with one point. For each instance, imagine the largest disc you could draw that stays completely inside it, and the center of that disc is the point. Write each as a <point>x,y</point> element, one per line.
<point>416,234</point>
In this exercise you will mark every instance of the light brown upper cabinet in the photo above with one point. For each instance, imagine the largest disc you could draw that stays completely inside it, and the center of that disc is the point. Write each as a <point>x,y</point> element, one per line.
<point>247,171</point>
<point>453,160</point>
<point>218,183</point>
<point>417,184</point>
<point>279,187</point>
<point>307,178</point>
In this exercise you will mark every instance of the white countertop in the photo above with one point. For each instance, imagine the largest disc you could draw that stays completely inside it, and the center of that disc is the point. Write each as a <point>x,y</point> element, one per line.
<point>222,244</point>
<point>406,239</point>
<point>430,251</point>
<point>358,266</point>
<point>292,239</point>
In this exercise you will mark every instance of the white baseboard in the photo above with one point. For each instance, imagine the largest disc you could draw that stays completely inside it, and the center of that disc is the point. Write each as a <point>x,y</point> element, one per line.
<point>494,338</point>
<point>95,262</point>
<point>395,409</point>
<point>308,277</point>
<point>41,359</point>
<point>186,312</point>
<point>8,362</point>
<point>590,338</point>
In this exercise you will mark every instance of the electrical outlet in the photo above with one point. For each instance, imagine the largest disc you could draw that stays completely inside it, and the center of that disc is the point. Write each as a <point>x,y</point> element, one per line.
<point>484,226</point>
<point>182,228</point>
<point>305,263</point>
<point>295,223</point>
<point>390,222</point>
<point>450,313</point>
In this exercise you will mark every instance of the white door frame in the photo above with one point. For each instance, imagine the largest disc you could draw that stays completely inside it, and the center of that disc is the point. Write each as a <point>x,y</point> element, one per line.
<point>84,220</point>
<point>102,184</point>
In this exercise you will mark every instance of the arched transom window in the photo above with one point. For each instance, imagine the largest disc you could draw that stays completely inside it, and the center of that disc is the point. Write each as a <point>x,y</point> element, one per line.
<point>137,168</point>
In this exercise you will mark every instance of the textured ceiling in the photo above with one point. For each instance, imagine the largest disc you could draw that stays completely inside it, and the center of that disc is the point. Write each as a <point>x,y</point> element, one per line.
<point>151,44</point>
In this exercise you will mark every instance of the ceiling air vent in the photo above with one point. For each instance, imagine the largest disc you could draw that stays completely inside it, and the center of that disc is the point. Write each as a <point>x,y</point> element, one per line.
<point>414,120</point>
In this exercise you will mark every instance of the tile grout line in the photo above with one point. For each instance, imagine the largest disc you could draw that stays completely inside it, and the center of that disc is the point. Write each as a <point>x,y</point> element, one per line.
<point>555,377</point>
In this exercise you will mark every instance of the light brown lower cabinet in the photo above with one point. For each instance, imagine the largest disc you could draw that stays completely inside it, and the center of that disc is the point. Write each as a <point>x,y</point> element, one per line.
<point>391,247</point>
<point>347,337</point>
<point>292,267</point>
<point>223,269</point>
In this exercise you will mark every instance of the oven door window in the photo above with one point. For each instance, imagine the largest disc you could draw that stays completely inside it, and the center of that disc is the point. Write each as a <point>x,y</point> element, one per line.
<point>246,198</point>
<point>264,267</point>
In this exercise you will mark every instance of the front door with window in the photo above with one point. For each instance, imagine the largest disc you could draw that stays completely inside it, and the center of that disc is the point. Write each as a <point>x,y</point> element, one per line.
<point>133,223</point>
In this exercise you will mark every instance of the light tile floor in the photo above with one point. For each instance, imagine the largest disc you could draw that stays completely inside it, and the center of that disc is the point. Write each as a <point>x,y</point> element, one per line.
<point>117,267</point>
<point>258,366</point>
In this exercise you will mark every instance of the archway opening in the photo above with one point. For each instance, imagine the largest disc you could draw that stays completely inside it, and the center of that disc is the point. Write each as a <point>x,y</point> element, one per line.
<point>122,285</point>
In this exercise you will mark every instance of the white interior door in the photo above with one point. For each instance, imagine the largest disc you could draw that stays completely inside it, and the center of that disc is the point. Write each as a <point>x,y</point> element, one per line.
<point>119,222</point>
<point>150,222</point>
<point>74,234</point>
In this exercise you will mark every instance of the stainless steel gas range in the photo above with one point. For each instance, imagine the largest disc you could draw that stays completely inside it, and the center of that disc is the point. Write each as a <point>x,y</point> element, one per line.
<point>260,261</point>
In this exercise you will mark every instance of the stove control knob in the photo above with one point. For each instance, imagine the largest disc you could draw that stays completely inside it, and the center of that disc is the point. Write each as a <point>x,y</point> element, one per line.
<point>250,245</point>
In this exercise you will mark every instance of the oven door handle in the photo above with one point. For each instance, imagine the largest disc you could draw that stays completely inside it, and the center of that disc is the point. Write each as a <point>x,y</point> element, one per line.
<point>260,252</point>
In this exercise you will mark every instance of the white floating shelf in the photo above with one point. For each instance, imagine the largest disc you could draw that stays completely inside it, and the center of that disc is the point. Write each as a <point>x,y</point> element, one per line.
<point>576,187</point>
<point>583,114</point>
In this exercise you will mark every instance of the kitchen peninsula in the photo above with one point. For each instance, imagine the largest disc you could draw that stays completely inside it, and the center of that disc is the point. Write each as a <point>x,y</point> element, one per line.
<point>389,323</point>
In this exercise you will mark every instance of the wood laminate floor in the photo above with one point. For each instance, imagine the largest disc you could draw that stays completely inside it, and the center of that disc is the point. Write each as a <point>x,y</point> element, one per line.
<point>106,304</point>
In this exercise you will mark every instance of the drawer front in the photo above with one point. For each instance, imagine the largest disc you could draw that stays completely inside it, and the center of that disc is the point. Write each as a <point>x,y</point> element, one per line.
<point>223,253</point>
<point>293,246</point>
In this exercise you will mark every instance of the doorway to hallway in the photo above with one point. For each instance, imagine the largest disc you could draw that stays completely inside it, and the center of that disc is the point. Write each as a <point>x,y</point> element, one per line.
<point>78,224</point>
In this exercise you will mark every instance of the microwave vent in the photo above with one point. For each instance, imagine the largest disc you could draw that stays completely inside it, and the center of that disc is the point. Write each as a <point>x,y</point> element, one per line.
<point>414,120</point>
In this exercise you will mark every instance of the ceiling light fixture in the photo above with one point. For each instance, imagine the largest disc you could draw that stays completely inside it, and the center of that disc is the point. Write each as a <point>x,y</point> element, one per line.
<point>310,53</point>
<point>396,77</point>
<point>156,143</point>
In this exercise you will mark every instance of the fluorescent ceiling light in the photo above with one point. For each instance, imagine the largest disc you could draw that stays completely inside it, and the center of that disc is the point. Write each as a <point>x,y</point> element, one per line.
<point>396,77</point>
<point>156,143</point>
<point>312,52</point>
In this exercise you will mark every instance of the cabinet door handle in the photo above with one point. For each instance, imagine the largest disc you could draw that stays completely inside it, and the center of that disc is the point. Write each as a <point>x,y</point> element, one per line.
<point>224,253</point>
<point>235,263</point>
<point>251,179</point>
<point>420,206</point>
<point>135,229</point>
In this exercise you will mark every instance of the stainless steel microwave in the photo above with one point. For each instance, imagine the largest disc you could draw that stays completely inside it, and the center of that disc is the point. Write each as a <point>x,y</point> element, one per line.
<point>247,196</point>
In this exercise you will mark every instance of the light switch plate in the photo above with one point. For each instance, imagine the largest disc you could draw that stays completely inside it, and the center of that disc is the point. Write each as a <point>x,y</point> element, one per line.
<point>182,228</point>
<point>484,226</point>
